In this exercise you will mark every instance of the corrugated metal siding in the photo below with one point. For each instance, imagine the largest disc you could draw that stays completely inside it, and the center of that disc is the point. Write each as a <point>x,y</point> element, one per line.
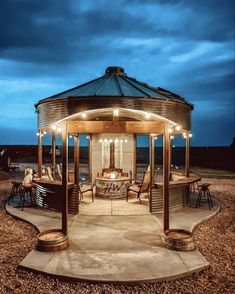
<point>53,110</point>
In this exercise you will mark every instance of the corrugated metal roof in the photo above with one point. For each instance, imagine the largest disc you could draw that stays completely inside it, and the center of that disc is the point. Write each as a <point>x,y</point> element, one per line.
<point>116,83</point>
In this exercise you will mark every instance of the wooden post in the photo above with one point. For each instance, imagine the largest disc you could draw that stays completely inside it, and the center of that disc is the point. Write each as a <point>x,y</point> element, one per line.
<point>187,153</point>
<point>151,163</point>
<point>65,179</point>
<point>90,158</point>
<point>53,146</point>
<point>76,159</point>
<point>40,154</point>
<point>151,156</point>
<point>170,153</point>
<point>134,157</point>
<point>166,177</point>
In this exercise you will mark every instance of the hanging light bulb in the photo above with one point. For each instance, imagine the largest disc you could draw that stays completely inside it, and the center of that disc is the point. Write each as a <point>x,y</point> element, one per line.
<point>44,132</point>
<point>116,112</point>
<point>147,115</point>
<point>59,129</point>
<point>170,130</point>
<point>37,133</point>
<point>178,128</point>
<point>190,135</point>
<point>54,127</point>
<point>172,137</point>
<point>126,140</point>
<point>83,115</point>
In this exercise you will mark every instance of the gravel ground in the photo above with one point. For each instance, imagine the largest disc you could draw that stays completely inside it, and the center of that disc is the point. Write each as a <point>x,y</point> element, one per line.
<point>214,239</point>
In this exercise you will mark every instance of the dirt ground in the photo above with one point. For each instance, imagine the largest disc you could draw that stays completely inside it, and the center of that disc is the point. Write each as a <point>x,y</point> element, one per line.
<point>214,238</point>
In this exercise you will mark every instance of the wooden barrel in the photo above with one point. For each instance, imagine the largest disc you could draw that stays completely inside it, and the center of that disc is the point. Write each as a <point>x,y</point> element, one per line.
<point>51,240</point>
<point>178,239</point>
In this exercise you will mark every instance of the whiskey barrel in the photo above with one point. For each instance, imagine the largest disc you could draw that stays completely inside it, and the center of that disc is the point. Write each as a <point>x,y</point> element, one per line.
<point>51,240</point>
<point>178,239</point>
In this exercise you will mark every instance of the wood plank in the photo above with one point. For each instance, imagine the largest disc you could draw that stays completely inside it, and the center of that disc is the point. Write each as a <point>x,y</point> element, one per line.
<point>65,178</point>
<point>90,157</point>
<point>130,127</point>
<point>76,159</point>
<point>151,163</point>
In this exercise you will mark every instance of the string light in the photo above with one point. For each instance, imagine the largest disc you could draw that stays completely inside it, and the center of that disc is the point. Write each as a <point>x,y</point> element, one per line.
<point>170,130</point>
<point>178,128</point>
<point>59,129</point>
<point>54,127</point>
<point>172,137</point>
<point>44,132</point>
<point>147,115</point>
<point>83,115</point>
<point>116,112</point>
<point>37,133</point>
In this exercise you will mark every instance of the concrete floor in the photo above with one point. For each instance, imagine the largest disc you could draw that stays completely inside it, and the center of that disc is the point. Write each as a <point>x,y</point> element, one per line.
<point>116,246</point>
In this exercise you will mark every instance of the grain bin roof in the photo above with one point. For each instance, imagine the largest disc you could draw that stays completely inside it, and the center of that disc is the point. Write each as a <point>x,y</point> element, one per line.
<point>116,83</point>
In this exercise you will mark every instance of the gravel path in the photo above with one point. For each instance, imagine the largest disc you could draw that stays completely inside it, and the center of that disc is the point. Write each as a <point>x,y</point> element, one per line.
<point>214,239</point>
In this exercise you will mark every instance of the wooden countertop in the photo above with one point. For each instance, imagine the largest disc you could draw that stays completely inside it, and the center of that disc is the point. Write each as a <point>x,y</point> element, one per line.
<point>182,182</point>
<point>48,183</point>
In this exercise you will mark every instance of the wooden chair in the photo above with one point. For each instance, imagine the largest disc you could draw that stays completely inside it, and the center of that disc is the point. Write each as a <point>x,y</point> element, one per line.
<point>83,188</point>
<point>140,187</point>
<point>49,173</point>
<point>59,171</point>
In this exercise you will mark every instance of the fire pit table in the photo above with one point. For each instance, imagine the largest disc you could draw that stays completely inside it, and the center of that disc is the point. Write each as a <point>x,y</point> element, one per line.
<point>112,187</point>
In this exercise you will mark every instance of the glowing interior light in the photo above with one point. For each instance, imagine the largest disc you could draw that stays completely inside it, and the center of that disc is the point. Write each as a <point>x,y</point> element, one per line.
<point>54,127</point>
<point>172,137</point>
<point>121,140</point>
<point>125,140</point>
<point>190,135</point>
<point>44,132</point>
<point>147,115</point>
<point>170,130</point>
<point>184,134</point>
<point>105,140</point>
<point>173,146</point>
<point>110,140</point>
<point>155,138</point>
<point>87,137</point>
<point>59,129</point>
<point>100,140</point>
<point>178,128</point>
<point>70,136</point>
<point>84,115</point>
<point>37,133</point>
<point>116,112</point>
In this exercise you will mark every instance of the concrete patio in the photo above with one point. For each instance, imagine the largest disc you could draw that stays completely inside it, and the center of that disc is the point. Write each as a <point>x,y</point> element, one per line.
<point>113,241</point>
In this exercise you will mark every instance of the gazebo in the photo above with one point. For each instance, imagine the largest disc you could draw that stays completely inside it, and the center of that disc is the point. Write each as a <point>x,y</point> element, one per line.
<point>113,109</point>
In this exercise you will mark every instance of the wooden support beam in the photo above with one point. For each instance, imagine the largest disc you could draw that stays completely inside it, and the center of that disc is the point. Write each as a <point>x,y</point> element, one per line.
<point>151,155</point>
<point>131,127</point>
<point>134,157</point>
<point>170,153</point>
<point>53,153</point>
<point>76,159</point>
<point>166,177</point>
<point>40,154</point>
<point>151,163</point>
<point>187,154</point>
<point>90,158</point>
<point>65,178</point>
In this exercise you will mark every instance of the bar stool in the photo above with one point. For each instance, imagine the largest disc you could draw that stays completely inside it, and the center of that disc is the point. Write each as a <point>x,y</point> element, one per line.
<point>28,191</point>
<point>204,192</point>
<point>16,190</point>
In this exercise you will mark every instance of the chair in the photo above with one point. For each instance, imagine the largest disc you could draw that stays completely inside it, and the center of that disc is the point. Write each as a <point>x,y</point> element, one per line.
<point>49,173</point>
<point>28,191</point>
<point>16,190</point>
<point>140,187</point>
<point>204,192</point>
<point>59,171</point>
<point>83,188</point>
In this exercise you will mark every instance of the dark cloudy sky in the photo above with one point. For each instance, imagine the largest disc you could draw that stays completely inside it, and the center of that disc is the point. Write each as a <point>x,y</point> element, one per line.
<point>186,46</point>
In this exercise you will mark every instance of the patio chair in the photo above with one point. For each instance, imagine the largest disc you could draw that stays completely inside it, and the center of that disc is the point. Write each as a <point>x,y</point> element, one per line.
<point>49,173</point>
<point>83,188</point>
<point>140,187</point>
<point>59,171</point>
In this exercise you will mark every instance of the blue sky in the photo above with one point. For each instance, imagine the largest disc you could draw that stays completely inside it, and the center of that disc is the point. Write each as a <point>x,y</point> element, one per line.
<point>184,46</point>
